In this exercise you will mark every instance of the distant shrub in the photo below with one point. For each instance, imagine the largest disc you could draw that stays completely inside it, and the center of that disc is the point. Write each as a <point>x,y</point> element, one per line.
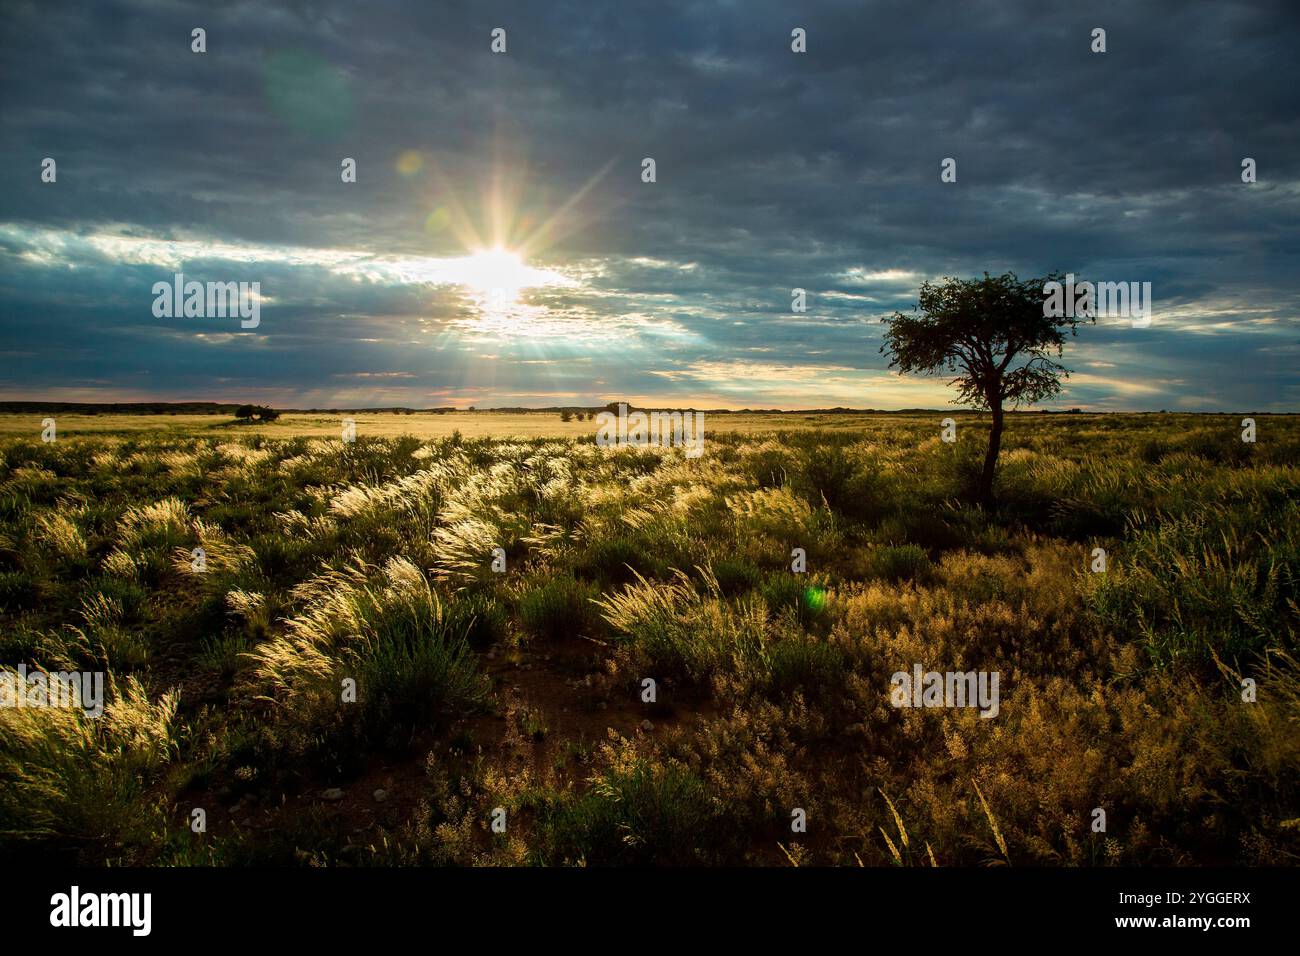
<point>256,412</point>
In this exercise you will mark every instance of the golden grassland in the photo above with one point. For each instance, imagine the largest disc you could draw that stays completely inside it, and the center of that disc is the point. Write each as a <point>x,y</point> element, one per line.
<point>427,425</point>
<point>520,688</point>
<point>435,425</point>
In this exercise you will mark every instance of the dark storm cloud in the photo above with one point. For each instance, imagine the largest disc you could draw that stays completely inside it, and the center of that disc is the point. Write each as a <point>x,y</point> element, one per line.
<point>775,171</point>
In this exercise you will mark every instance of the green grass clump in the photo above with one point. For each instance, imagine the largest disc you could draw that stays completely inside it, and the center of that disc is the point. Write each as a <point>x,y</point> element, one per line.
<point>902,562</point>
<point>79,781</point>
<point>559,608</point>
<point>639,815</point>
<point>388,638</point>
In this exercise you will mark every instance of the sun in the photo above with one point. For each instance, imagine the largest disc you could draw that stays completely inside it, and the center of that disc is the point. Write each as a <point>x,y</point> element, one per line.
<point>494,273</point>
<point>501,288</point>
<point>499,274</point>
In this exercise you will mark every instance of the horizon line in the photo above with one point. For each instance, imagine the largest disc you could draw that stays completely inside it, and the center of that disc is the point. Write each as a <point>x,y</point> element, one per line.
<point>199,406</point>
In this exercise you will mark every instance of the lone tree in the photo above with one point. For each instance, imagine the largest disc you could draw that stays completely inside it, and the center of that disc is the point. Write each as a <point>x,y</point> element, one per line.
<point>994,336</point>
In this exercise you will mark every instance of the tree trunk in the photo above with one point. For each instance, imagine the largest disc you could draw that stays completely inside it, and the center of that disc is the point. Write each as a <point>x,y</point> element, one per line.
<point>991,456</point>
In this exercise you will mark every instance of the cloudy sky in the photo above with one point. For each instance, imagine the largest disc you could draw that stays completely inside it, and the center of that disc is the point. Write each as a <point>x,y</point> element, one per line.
<point>500,248</point>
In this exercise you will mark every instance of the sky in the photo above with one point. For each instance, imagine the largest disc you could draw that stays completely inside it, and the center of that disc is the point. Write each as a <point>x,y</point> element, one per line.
<point>500,247</point>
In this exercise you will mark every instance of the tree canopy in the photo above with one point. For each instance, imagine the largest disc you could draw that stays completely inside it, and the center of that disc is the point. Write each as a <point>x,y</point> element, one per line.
<point>993,336</point>
<point>260,412</point>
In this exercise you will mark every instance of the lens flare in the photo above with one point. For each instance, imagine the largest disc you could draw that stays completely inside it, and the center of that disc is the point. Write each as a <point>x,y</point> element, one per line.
<point>410,162</point>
